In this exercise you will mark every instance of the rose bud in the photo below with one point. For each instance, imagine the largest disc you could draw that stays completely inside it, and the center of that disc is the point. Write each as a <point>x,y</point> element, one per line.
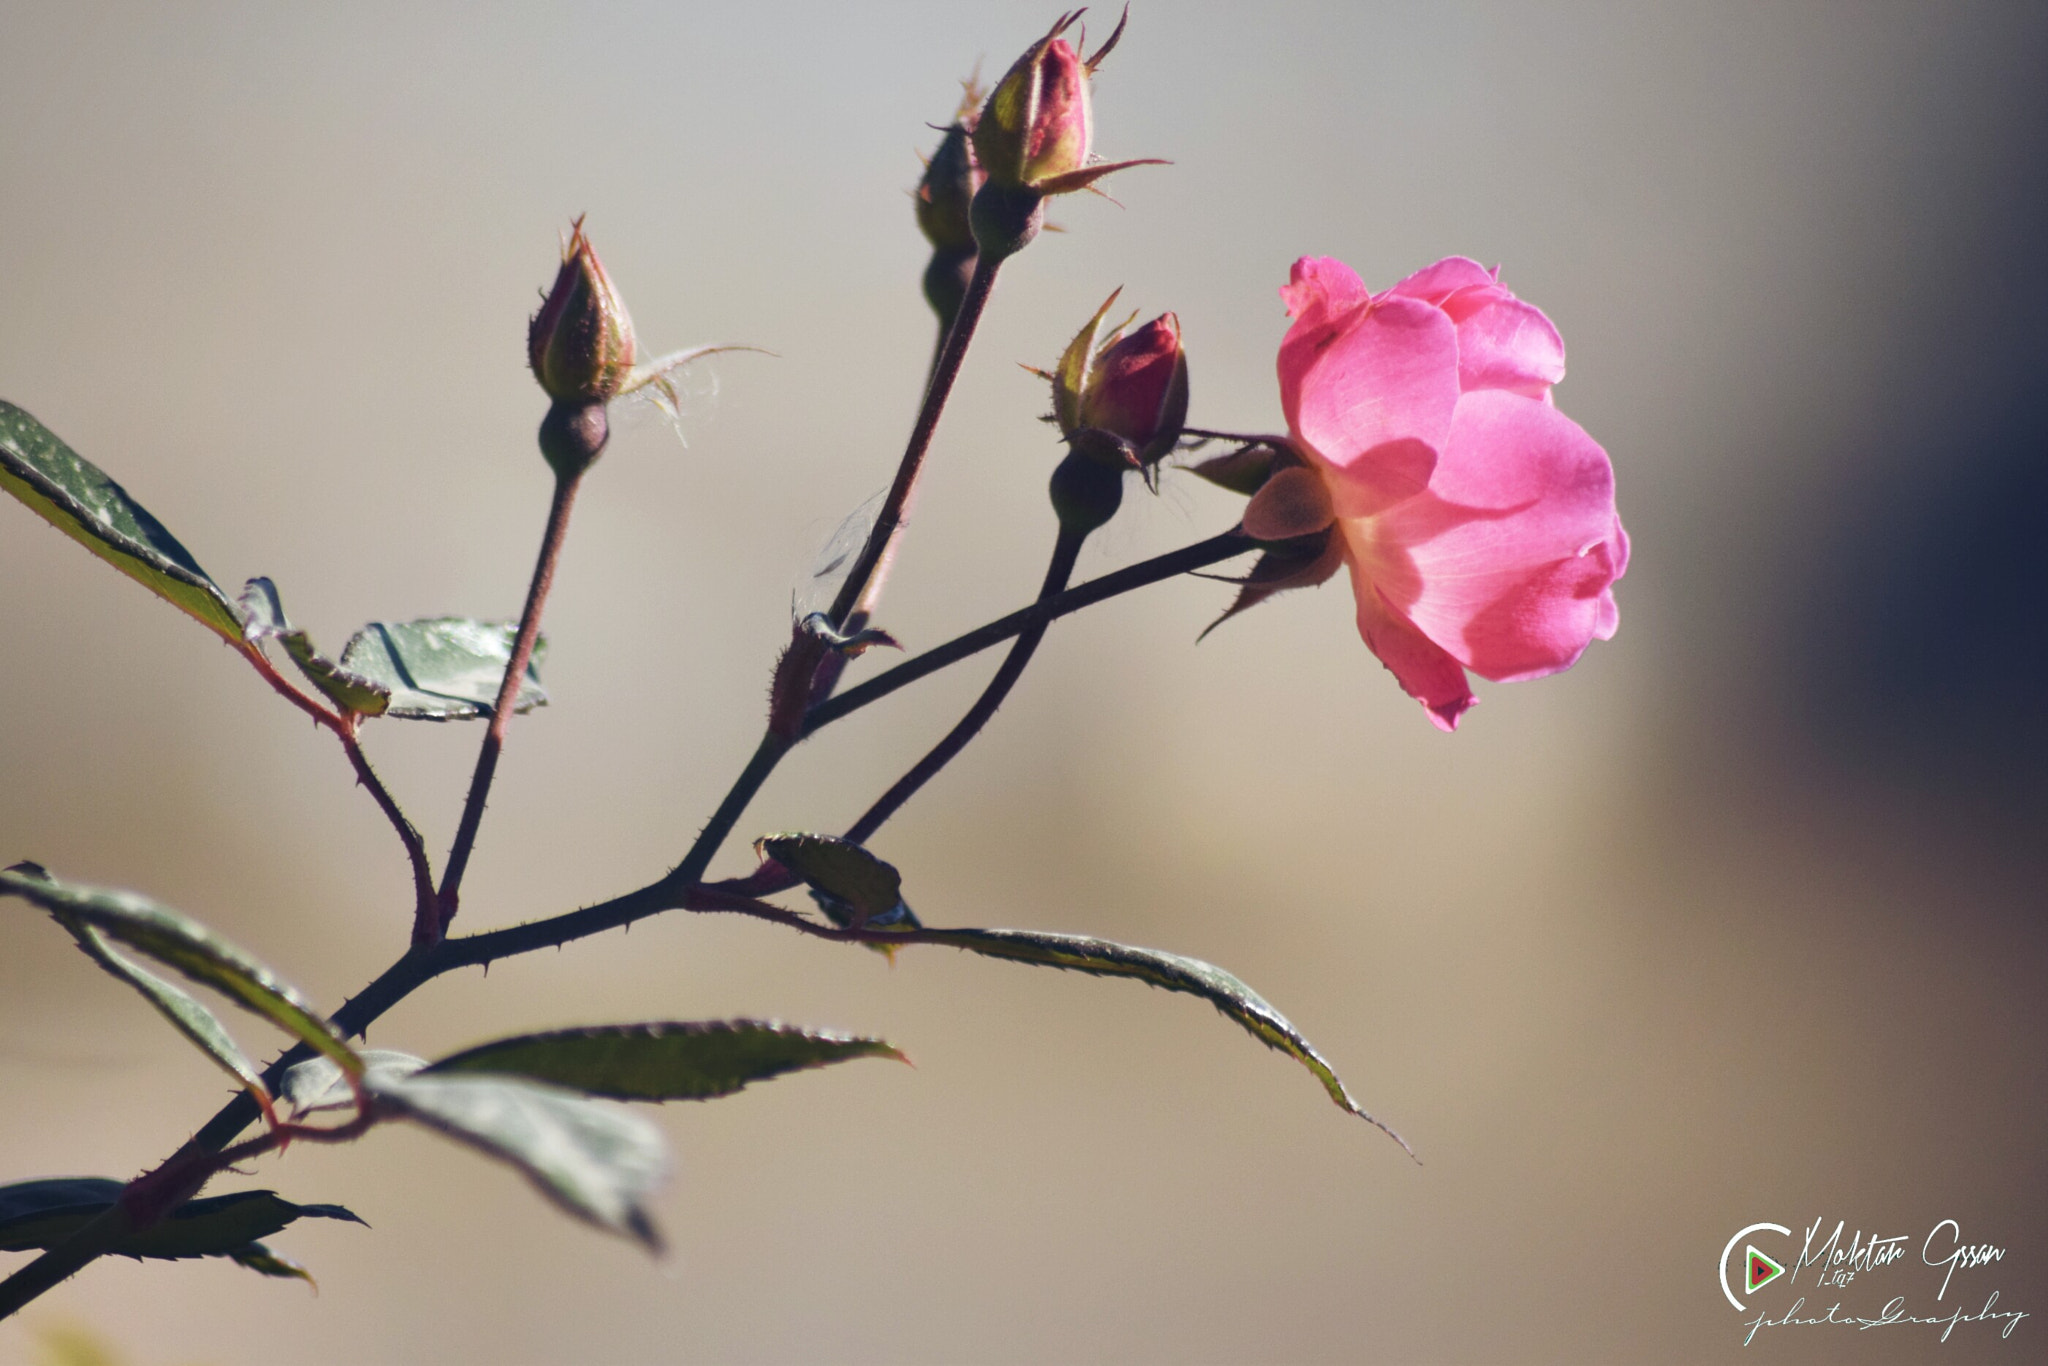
<point>1034,136</point>
<point>945,199</point>
<point>1138,390</point>
<point>1122,399</point>
<point>946,192</point>
<point>580,344</point>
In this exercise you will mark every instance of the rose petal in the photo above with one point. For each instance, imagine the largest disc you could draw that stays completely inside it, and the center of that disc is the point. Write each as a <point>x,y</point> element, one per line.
<point>1508,561</point>
<point>1424,669</point>
<point>1434,284</point>
<point>1504,343</point>
<point>1324,281</point>
<point>1617,553</point>
<point>1370,393</point>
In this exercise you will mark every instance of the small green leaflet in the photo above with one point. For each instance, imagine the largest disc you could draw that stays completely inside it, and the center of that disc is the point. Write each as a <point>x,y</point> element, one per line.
<point>317,1084</point>
<point>41,1214</point>
<point>76,496</point>
<point>663,1061</point>
<point>870,889</point>
<point>595,1162</point>
<point>1173,972</point>
<point>442,668</point>
<point>264,619</point>
<point>186,1015</point>
<point>172,939</point>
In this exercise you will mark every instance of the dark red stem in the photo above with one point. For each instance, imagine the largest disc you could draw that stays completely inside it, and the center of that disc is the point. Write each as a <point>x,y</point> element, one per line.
<point>501,711</point>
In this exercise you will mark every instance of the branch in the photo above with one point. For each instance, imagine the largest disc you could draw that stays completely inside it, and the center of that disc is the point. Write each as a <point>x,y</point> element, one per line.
<point>1170,565</point>
<point>344,726</point>
<point>673,892</point>
<point>889,521</point>
<point>433,927</point>
<point>1065,551</point>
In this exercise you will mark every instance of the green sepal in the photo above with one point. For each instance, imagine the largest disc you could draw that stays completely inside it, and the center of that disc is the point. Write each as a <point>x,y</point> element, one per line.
<point>1244,470</point>
<point>1070,378</point>
<point>264,1262</point>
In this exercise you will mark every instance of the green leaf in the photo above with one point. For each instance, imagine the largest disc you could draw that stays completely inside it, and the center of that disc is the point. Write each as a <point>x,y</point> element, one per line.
<point>223,1225</point>
<point>28,1209</point>
<point>264,619</point>
<point>41,1214</point>
<point>1173,972</point>
<point>200,954</point>
<point>317,1084</point>
<point>845,872</point>
<point>76,496</point>
<point>186,1015</point>
<point>664,1061</point>
<point>596,1163</point>
<point>442,668</point>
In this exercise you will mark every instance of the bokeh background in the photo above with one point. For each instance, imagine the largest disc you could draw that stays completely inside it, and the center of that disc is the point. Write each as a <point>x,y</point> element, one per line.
<point>1739,920</point>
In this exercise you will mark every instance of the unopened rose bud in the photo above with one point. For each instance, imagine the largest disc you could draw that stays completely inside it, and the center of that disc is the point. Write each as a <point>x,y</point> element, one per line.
<point>580,344</point>
<point>1138,390</point>
<point>1034,137</point>
<point>946,192</point>
<point>1037,123</point>
<point>1123,399</point>
<point>945,200</point>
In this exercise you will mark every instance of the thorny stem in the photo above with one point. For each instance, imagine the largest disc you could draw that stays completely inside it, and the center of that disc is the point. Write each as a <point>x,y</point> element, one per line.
<point>1170,565</point>
<point>827,678</point>
<point>890,519</point>
<point>344,725</point>
<point>1066,550</point>
<point>431,928</point>
<point>691,870</point>
<point>798,682</point>
<point>147,1199</point>
<point>415,847</point>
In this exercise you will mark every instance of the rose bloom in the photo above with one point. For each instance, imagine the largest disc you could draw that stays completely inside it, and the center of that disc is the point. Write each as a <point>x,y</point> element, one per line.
<point>1478,522</point>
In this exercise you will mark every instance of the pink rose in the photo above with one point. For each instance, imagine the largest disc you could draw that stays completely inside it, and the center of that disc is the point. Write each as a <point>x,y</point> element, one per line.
<point>1477,520</point>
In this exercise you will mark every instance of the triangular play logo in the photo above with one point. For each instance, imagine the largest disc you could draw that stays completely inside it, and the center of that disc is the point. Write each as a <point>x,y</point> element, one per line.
<point>1762,1270</point>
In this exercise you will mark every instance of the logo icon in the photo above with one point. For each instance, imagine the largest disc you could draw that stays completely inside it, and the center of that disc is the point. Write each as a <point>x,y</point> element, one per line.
<point>1759,1270</point>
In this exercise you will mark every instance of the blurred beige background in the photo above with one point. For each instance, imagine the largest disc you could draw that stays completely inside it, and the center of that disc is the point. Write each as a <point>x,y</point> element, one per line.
<point>1740,920</point>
